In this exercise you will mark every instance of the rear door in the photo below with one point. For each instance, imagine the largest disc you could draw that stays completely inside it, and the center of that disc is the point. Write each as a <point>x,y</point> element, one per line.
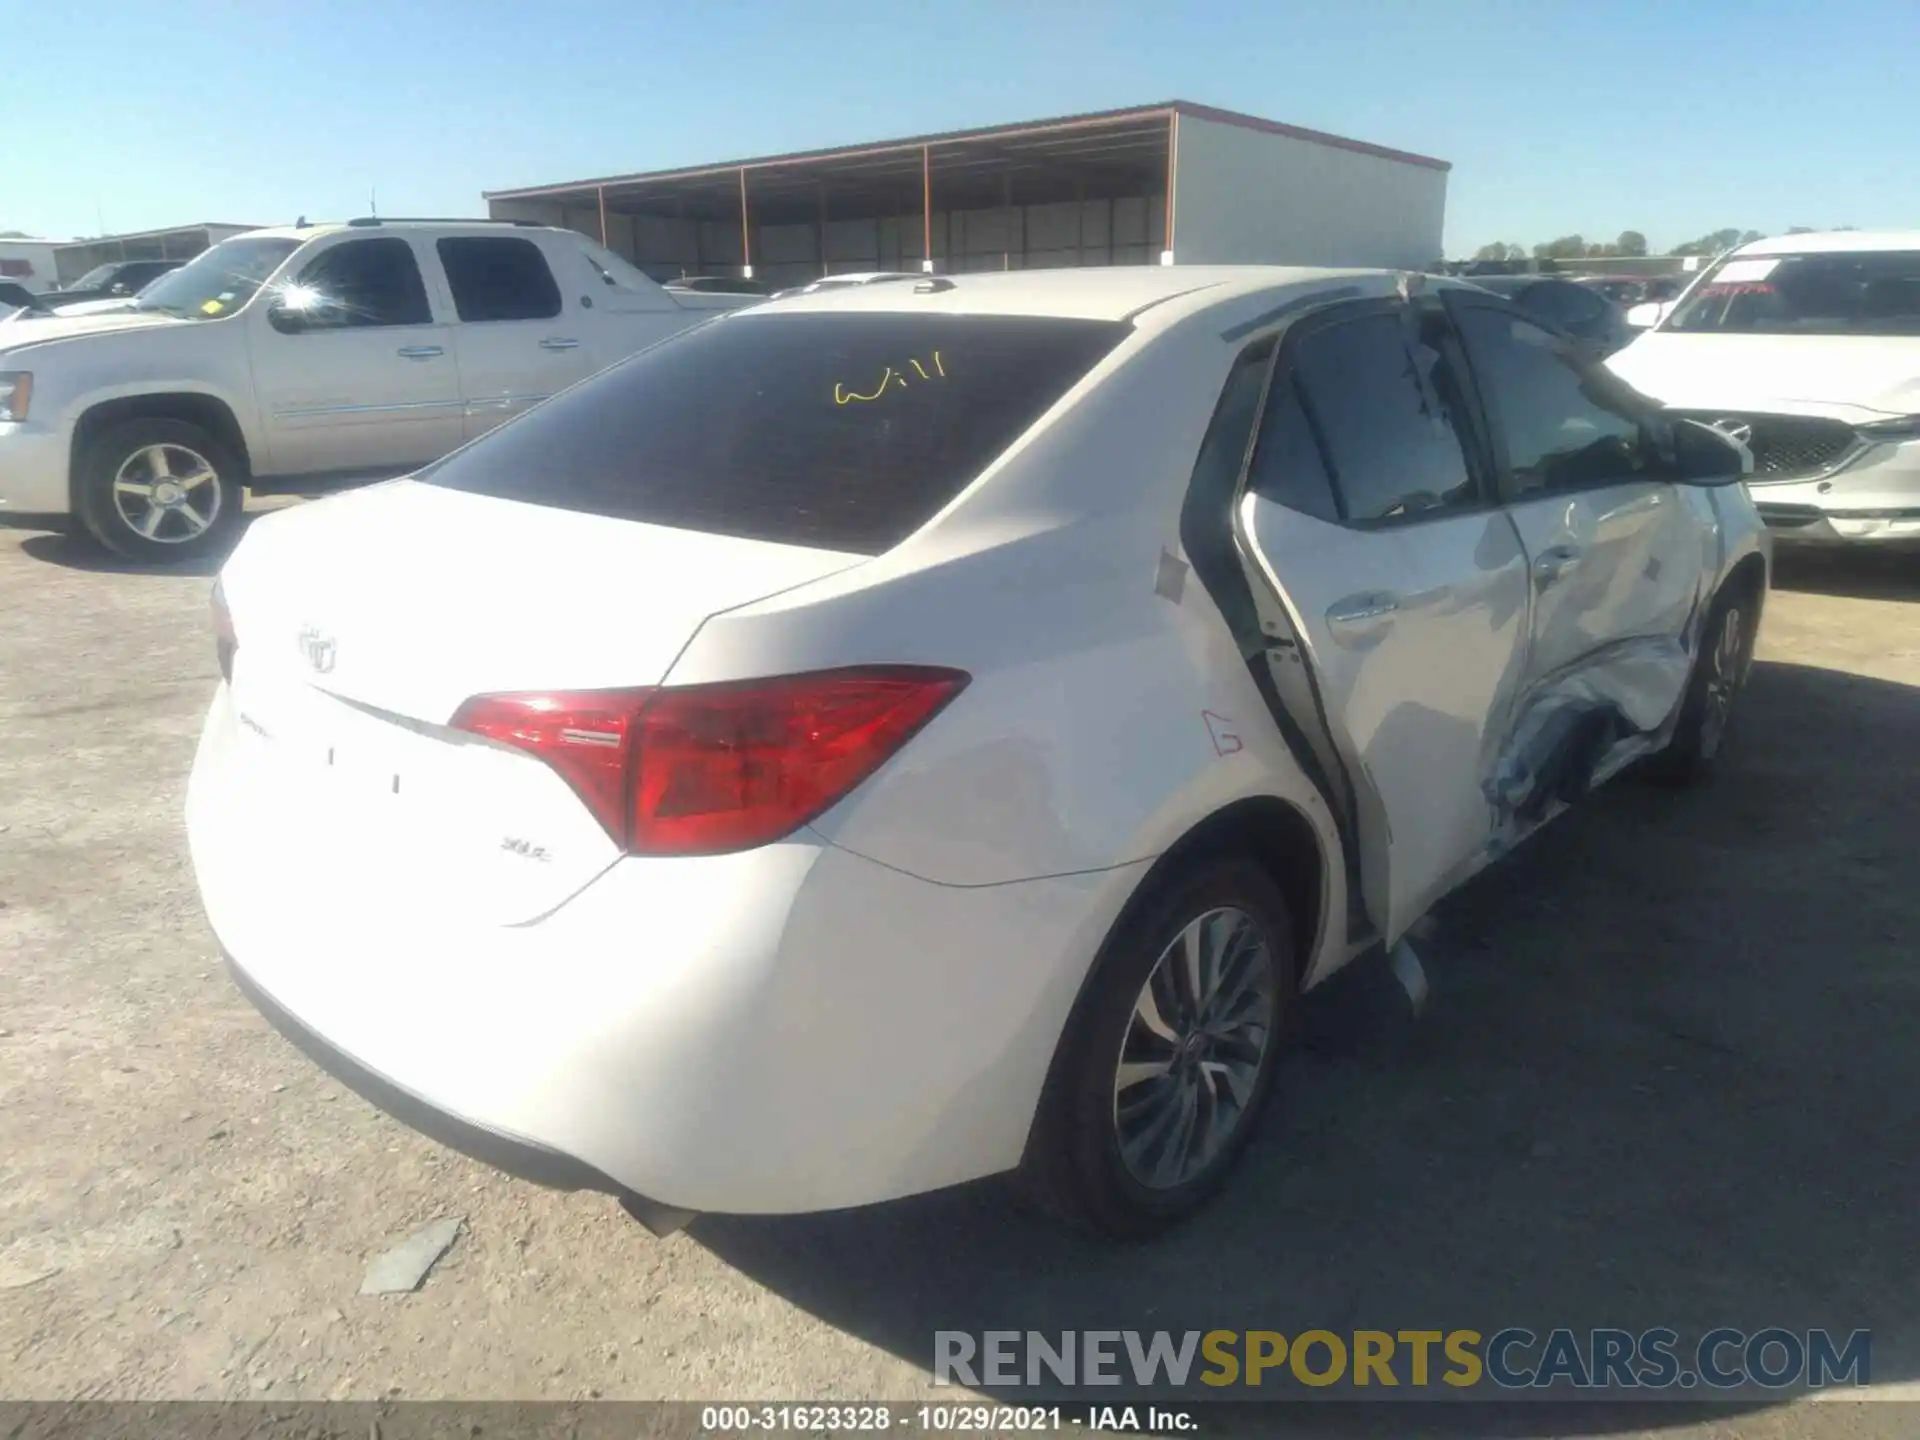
<point>1370,518</point>
<point>354,373</point>
<point>1617,556</point>
<point>518,339</point>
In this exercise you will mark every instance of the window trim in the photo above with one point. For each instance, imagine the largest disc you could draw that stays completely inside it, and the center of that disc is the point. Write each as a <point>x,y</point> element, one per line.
<point>553,274</point>
<point>1488,403</point>
<point>296,265</point>
<point>1484,498</point>
<point>1228,574</point>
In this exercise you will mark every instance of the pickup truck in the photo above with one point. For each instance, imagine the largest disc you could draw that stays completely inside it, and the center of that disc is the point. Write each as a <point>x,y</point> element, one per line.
<point>310,355</point>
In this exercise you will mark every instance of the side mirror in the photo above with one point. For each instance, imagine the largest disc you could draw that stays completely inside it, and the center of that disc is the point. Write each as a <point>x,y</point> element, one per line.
<point>1649,313</point>
<point>286,319</point>
<point>1702,455</point>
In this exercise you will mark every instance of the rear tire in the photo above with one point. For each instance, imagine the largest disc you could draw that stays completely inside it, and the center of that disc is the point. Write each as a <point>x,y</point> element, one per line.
<point>1170,1053</point>
<point>1719,672</point>
<point>160,492</point>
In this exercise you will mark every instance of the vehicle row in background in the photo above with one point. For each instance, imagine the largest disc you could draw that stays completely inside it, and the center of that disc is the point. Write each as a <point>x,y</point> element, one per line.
<point>119,280</point>
<point>1806,349</point>
<point>1565,305</point>
<point>307,355</point>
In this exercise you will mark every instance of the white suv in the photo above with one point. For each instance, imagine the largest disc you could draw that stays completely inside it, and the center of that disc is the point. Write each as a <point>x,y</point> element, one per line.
<point>353,351</point>
<point>1806,348</point>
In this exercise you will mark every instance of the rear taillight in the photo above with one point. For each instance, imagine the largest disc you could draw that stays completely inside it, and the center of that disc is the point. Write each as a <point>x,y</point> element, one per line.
<point>224,643</point>
<point>706,769</point>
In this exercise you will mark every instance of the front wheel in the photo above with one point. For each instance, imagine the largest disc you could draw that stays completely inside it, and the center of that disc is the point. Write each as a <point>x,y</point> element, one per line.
<point>160,492</point>
<point>1719,673</point>
<point>1170,1054</point>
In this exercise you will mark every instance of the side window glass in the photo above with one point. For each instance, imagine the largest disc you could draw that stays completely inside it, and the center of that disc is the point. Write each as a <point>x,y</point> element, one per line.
<point>1381,406</point>
<point>501,277</point>
<point>361,284</point>
<point>1565,428</point>
<point>1288,467</point>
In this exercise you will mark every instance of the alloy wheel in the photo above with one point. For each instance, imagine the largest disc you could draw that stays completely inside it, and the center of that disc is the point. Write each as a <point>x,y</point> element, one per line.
<point>1723,680</point>
<point>1195,1043</point>
<point>167,493</point>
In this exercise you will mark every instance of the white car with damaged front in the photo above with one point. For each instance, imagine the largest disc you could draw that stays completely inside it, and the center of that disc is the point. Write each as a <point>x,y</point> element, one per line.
<point>911,733</point>
<point>1806,348</point>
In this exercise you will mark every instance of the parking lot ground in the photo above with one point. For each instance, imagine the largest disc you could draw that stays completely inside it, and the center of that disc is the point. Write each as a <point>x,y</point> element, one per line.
<point>1669,1076</point>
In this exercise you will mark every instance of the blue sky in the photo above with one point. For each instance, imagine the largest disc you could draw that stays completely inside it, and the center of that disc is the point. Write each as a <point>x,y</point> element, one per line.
<point>1673,119</point>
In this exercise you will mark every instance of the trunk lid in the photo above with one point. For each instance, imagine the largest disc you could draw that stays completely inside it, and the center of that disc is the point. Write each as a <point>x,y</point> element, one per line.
<point>363,622</point>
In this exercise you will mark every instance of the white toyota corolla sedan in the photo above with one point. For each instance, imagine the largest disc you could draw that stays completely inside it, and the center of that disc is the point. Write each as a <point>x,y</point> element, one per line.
<point>917,732</point>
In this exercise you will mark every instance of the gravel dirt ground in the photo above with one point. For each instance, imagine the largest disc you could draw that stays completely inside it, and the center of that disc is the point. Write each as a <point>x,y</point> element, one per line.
<point>1668,1076</point>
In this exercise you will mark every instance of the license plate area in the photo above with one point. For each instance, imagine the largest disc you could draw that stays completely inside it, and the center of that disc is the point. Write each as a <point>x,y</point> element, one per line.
<point>401,813</point>
<point>322,743</point>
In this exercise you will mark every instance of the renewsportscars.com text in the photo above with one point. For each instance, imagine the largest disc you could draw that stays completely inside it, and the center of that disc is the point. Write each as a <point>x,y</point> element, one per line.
<point>1436,1361</point>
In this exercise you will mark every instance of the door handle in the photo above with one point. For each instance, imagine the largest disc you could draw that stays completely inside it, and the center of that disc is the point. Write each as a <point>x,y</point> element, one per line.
<point>559,342</point>
<point>1554,562</point>
<point>1360,615</point>
<point>421,352</point>
<point>1361,607</point>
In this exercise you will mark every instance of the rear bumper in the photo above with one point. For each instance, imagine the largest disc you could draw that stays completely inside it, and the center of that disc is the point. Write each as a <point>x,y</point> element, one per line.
<point>1874,500</point>
<point>789,1030</point>
<point>510,1154</point>
<point>33,469</point>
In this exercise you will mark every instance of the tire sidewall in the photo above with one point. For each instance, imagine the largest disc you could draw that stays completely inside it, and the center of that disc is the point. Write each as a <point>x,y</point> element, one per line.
<point>1691,749</point>
<point>1686,761</point>
<point>1723,609</point>
<point>1109,1195</point>
<point>99,463</point>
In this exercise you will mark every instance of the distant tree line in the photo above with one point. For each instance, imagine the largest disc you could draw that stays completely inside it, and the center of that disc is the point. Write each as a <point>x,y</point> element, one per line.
<point>1630,244</point>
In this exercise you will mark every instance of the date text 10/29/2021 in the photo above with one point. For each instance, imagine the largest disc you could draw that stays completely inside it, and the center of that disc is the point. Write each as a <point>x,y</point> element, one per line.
<point>960,1419</point>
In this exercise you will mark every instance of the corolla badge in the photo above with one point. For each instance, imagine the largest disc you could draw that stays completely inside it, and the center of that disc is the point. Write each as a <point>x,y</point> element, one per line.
<point>318,648</point>
<point>1738,430</point>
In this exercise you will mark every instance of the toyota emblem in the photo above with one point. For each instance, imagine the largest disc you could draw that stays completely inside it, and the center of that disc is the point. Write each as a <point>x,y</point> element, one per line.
<point>1736,430</point>
<point>318,648</point>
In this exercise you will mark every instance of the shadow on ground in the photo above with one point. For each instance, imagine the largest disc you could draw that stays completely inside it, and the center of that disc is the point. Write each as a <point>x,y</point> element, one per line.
<point>1862,574</point>
<point>71,549</point>
<point>1668,1077</point>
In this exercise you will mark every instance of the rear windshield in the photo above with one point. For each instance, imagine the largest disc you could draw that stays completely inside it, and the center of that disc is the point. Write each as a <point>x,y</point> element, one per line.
<point>839,431</point>
<point>1865,292</point>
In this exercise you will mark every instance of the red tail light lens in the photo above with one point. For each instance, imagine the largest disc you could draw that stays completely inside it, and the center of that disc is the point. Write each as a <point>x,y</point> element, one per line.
<point>708,769</point>
<point>224,643</point>
<point>585,735</point>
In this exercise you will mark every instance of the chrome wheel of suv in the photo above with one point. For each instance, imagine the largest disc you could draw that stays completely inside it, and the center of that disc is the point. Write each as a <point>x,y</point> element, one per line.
<point>159,491</point>
<point>168,494</point>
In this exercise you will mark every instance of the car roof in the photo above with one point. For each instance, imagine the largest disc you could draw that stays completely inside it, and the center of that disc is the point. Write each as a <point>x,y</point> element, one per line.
<point>1118,292</point>
<point>1833,242</point>
<point>445,227</point>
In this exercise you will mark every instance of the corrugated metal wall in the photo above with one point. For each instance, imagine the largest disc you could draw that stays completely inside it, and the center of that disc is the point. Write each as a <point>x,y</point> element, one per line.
<point>1245,196</point>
